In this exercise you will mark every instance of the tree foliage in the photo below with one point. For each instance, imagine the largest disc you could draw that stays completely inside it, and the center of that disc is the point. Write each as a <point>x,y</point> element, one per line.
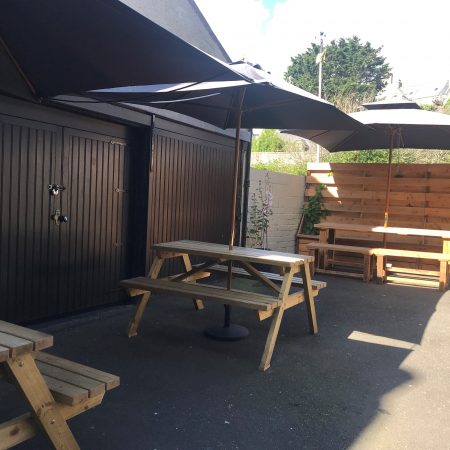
<point>350,68</point>
<point>269,141</point>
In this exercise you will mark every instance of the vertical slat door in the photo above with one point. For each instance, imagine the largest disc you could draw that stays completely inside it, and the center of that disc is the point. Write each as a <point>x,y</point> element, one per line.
<point>29,158</point>
<point>190,190</point>
<point>93,252</point>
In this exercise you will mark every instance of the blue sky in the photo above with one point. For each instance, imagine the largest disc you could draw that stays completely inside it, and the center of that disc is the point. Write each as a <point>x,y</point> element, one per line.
<point>415,36</point>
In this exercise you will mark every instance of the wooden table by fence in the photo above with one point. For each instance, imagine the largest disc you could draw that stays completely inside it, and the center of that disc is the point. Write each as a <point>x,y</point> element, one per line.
<point>17,345</point>
<point>185,283</point>
<point>328,229</point>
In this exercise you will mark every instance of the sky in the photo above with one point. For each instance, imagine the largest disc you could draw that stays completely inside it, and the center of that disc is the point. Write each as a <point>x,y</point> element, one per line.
<point>415,35</point>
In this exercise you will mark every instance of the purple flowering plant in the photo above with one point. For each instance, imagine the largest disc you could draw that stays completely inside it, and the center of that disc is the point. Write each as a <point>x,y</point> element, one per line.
<point>260,212</point>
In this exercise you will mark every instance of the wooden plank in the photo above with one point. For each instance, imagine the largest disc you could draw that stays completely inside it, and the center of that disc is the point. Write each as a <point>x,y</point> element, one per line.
<point>296,281</point>
<point>39,339</point>
<point>65,392</point>
<point>385,230</point>
<point>338,272</point>
<point>276,321</point>
<point>31,383</point>
<point>17,346</point>
<point>412,281</point>
<point>340,248</point>
<point>143,301</point>
<point>109,380</point>
<point>93,387</point>
<point>210,250</point>
<point>232,297</point>
<point>24,427</point>
<point>17,430</point>
<point>414,271</point>
<point>411,254</point>
<point>291,300</point>
<point>4,353</point>
<point>325,178</point>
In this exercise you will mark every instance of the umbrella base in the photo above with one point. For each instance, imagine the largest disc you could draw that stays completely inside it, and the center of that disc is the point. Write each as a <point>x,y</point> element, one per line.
<point>227,333</point>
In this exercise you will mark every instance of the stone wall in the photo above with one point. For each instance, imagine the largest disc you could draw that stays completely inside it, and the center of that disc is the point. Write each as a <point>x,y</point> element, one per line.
<point>288,194</point>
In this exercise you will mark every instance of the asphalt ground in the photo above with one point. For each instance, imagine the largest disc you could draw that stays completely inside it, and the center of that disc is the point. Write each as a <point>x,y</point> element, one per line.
<point>375,377</point>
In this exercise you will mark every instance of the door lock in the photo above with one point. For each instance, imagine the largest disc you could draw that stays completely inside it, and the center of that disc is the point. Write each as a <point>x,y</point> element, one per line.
<point>59,218</point>
<point>55,189</point>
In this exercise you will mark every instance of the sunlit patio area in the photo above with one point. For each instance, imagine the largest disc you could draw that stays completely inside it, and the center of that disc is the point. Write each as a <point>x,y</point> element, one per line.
<point>374,377</point>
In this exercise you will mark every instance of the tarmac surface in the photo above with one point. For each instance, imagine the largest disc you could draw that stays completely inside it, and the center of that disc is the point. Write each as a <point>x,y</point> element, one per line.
<point>375,377</point>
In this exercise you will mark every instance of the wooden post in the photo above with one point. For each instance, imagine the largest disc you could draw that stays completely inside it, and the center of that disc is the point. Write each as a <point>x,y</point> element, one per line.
<point>309,298</point>
<point>142,303</point>
<point>188,266</point>
<point>276,321</point>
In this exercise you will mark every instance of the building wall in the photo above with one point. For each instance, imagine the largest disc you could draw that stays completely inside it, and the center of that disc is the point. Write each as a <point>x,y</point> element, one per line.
<point>288,193</point>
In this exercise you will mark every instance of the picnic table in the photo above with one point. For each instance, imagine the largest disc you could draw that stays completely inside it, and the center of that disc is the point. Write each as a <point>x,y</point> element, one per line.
<point>186,283</point>
<point>327,234</point>
<point>328,230</point>
<point>54,388</point>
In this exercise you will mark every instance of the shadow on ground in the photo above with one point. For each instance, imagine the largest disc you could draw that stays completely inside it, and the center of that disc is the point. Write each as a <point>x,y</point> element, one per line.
<point>182,391</point>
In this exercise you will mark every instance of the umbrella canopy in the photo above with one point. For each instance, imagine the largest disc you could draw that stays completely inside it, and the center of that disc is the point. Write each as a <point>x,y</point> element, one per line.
<point>389,125</point>
<point>259,102</point>
<point>64,47</point>
<point>267,103</point>
<point>414,128</point>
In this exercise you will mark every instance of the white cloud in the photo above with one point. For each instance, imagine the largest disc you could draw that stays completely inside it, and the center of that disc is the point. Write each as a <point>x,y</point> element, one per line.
<point>415,36</point>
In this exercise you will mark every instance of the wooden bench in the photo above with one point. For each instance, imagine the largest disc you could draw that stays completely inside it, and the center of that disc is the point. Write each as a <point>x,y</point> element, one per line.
<point>381,255</point>
<point>74,388</point>
<point>296,281</point>
<point>315,247</point>
<point>262,304</point>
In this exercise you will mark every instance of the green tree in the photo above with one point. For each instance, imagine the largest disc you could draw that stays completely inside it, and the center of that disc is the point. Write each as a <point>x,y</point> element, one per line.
<point>350,68</point>
<point>269,141</point>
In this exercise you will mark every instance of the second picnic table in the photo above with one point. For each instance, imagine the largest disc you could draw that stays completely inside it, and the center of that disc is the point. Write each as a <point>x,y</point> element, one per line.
<point>327,241</point>
<point>186,284</point>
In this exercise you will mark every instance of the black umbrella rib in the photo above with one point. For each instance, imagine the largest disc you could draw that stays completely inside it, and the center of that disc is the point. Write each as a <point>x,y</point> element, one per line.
<point>18,67</point>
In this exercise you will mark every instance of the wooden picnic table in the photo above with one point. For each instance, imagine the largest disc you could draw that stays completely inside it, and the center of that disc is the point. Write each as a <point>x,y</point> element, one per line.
<point>186,284</point>
<point>54,388</point>
<point>17,345</point>
<point>327,240</point>
<point>328,229</point>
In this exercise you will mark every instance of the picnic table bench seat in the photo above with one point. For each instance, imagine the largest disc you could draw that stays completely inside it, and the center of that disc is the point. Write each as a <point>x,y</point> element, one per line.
<point>383,269</point>
<point>296,281</point>
<point>263,304</point>
<point>321,263</point>
<point>75,388</point>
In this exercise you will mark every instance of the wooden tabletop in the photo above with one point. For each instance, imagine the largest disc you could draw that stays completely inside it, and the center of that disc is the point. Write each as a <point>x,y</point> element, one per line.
<point>237,254</point>
<point>16,340</point>
<point>445,234</point>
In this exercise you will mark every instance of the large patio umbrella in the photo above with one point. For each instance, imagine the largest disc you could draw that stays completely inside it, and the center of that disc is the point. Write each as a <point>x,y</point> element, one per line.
<point>66,46</point>
<point>389,125</point>
<point>259,102</point>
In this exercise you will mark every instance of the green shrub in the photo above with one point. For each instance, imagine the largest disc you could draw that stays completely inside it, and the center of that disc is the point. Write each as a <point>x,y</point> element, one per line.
<point>314,211</point>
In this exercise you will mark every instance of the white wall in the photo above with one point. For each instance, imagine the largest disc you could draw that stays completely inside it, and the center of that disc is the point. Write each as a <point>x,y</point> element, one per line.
<point>288,193</point>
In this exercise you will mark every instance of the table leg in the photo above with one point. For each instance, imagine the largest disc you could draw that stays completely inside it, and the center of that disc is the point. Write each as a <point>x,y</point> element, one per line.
<point>188,266</point>
<point>276,321</point>
<point>309,298</point>
<point>142,303</point>
<point>323,254</point>
<point>24,371</point>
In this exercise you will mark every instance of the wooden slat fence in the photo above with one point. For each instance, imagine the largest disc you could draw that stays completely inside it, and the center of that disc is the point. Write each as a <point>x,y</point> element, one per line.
<point>355,193</point>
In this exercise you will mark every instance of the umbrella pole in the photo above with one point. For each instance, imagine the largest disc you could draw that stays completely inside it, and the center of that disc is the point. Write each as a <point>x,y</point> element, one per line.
<point>232,332</point>
<point>388,188</point>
